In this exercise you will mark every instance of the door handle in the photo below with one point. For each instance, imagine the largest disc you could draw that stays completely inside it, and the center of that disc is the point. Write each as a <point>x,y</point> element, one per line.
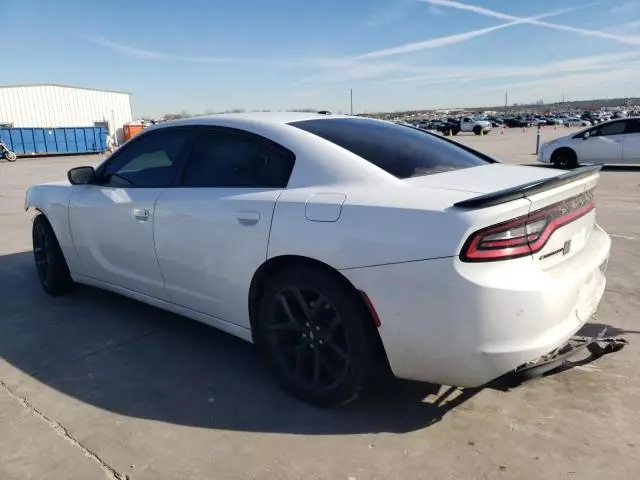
<point>141,214</point>
<point>248,217</point>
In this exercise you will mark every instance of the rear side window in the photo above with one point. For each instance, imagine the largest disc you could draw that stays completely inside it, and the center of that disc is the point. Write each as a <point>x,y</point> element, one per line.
<point>633,126</point>
<point>403,152</point>
<point>226,158</point>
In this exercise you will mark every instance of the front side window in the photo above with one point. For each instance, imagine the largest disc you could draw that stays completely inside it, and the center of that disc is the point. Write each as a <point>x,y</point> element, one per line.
<point>401,151</point>
<point>230,159</point>
<point>149,161</point>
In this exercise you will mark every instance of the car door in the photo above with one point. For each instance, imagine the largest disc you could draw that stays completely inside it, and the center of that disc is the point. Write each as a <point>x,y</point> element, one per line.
<point>603,145</point>
<point>112,219</point>
<point>211,233</point>
<point>631,144</point>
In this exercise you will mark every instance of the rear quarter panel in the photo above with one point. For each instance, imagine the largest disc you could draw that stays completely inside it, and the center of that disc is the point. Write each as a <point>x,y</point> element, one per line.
<point>52,200</point>
<point>377,226</point>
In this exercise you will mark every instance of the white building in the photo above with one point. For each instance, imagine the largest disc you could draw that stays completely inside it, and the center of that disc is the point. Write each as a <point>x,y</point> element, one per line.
<point>55,106</point>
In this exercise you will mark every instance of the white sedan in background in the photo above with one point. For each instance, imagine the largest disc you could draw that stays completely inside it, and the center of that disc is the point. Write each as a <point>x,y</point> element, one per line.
<point>337,244</point>
<point>577,122</point>
<point>612,142</point>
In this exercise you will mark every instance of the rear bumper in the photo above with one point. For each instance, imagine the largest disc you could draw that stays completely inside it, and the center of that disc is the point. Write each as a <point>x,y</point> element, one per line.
<point>449,322</point>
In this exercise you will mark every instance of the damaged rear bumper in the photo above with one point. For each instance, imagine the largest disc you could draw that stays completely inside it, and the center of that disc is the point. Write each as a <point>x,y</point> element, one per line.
<point>561,358</point>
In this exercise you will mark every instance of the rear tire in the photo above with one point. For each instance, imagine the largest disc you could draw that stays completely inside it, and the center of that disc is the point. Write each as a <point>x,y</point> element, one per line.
<point>317,336</point>
<point>564,158</point>
<point>51,265</point>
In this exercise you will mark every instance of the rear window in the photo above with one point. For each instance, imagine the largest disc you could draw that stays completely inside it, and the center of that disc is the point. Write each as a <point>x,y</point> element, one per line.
<point>402,151</point>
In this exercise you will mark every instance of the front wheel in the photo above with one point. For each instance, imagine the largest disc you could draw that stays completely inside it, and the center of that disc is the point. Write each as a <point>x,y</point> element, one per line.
<point>477,130</point>
<point>317,336</point>
<point>564,158</point>
<point>51,265</point>
<point>10,156</point>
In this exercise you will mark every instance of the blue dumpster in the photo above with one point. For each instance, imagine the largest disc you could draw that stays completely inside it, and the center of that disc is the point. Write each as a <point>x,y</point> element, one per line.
<point>51,141</point>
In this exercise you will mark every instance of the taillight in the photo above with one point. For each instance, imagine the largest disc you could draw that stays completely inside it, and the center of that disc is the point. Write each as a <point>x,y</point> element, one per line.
<point>524,235</point>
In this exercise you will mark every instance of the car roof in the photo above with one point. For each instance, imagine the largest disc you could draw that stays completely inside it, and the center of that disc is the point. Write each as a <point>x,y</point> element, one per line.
<point>272,118</point>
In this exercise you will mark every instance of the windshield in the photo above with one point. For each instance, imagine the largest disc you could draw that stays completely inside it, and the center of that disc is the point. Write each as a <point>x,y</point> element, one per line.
<point>402,151</point>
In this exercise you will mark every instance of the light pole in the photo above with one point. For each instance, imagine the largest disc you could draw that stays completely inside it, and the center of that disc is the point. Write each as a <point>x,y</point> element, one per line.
<point>351,101</point>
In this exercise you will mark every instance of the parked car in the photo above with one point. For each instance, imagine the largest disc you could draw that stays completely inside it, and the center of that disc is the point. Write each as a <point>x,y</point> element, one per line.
<point>532,121</point>
<point>613,142</point>
<point>516,123</point>
<point>576,122</point>
<point>335,243</point>
<point>554,121</point>
<point>434,125</point>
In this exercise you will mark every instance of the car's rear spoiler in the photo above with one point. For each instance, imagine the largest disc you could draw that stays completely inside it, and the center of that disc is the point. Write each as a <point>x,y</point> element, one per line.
<point>527,189</point>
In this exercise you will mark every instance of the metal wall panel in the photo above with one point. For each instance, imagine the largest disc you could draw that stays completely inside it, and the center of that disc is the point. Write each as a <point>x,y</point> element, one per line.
<point>54,106</point>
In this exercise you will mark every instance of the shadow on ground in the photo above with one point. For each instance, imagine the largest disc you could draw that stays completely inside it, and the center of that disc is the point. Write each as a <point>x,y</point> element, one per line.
<point>132,359</point>
<point>135,360</point>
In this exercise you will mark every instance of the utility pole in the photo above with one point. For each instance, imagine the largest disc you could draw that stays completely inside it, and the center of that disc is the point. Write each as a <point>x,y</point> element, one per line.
<point>506,101</point>
<point>351,101</point>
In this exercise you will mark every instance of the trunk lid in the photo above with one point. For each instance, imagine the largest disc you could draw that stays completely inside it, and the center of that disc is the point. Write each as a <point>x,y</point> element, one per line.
<point>484,179</point>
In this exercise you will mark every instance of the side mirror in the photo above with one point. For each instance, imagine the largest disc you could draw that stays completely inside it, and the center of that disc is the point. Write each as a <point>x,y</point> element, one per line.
<point>586,135</point>
<point>81,175</point>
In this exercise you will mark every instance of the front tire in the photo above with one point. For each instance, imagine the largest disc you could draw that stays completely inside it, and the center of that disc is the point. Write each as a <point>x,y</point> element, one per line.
<point>51,265</point>
<point>564,158</point>
<point>317,336</point>
<point>476,130</point>
<point>10,156</point>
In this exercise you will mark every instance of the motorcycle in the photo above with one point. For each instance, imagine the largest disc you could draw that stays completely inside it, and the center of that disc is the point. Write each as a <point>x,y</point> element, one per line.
<point>6,153</point>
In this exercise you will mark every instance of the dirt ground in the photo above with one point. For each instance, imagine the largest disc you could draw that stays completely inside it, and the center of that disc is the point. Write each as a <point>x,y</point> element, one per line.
<point>95,386</point>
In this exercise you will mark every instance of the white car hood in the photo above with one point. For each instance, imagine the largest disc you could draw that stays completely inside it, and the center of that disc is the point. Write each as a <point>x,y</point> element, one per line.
<point>483,179</point>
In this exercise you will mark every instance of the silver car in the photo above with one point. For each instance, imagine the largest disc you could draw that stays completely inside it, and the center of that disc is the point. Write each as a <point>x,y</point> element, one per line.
<point>612,142</point>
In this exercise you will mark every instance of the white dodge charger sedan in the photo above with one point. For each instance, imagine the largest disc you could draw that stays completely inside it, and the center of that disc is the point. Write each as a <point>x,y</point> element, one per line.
<point>613,142</point>
<point>338,244</point>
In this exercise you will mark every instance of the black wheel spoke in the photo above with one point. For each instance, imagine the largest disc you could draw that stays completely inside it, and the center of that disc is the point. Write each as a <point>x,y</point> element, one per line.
<point>293,324</point>
<point>336,348</point>
<point>336,321</point>
<point>302,303</point>
<point>287,309</point>
<point>334,370</point>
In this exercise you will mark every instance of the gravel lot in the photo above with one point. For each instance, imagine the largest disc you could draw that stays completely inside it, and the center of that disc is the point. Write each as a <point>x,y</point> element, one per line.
<point>95,386</point>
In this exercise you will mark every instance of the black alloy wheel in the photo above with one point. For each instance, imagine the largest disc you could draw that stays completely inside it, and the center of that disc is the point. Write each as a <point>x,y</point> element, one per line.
<point>51,265</point>
<point>41,252</point>
<point>308,338</point>
<point>317,336</point>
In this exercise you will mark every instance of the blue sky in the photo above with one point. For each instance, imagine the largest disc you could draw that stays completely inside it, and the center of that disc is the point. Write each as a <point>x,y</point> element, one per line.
<point>199,55</point>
